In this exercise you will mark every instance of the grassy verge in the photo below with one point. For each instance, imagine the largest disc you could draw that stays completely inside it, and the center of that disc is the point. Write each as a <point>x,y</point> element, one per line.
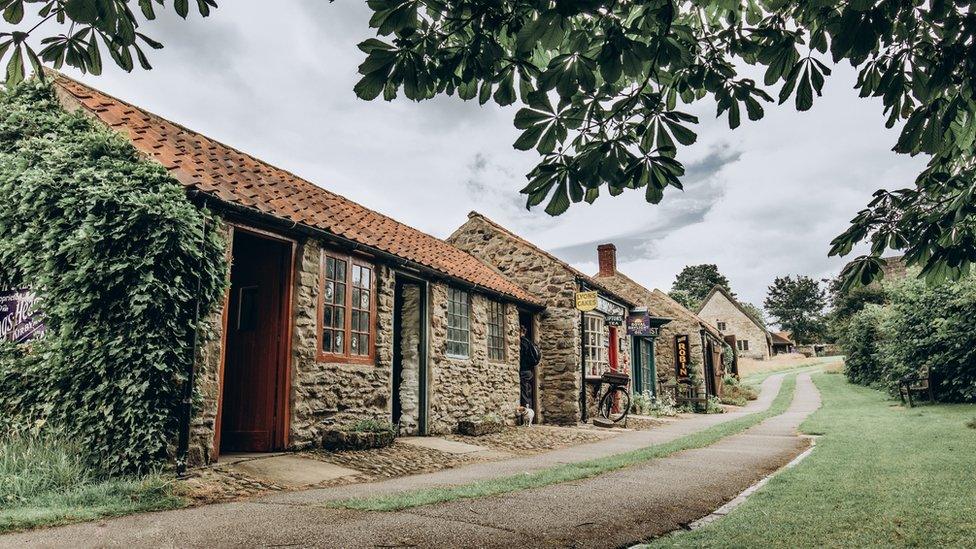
<point>44,482</point>
<point>570,471</point>
<point>812,365</point>
<point>881,475</point>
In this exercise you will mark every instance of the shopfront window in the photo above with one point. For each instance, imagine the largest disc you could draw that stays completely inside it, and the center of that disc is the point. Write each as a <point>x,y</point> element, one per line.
<point>595,345</point>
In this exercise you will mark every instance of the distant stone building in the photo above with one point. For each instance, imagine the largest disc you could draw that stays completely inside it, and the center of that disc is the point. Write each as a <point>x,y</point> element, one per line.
<point>334,313</point>
<point>752,339</point>
<point>704,339</point>
<point>577,347</point>
<point>782,342</point>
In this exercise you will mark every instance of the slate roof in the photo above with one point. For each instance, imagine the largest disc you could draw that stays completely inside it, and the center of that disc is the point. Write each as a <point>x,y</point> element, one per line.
<point>237,178</point>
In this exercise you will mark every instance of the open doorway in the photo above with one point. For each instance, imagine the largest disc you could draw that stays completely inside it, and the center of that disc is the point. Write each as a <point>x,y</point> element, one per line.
<point>253,405</point>
<point>409,406</point>
<point>528,378</point>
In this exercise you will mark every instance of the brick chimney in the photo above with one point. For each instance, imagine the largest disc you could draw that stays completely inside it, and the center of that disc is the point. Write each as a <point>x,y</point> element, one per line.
<point>607,254</point>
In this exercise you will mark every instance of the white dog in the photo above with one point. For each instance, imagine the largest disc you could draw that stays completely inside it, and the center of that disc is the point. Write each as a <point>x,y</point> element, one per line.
<point>525,415</point>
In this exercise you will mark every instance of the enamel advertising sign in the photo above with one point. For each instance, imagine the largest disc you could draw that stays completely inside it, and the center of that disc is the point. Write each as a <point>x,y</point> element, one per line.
<point>20,322</point>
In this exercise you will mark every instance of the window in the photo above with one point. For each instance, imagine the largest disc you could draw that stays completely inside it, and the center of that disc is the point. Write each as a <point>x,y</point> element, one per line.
<point>594,346</point>
<point>346,304</point>
<point>496,331</point>
<point>742,344</point>
<point>721,326</point>
<point>458,323</point>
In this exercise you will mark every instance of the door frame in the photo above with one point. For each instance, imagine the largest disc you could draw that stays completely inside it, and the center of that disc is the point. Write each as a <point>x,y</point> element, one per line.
<point>283,390</point>
<point>638,370</point>
<point>401,278</point>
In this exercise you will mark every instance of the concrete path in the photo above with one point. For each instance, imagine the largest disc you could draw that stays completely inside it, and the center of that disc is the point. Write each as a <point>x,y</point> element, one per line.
<point>610,510</point>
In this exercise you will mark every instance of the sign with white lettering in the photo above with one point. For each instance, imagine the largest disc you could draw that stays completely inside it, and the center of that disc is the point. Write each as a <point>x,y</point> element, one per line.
<point>20,322</point>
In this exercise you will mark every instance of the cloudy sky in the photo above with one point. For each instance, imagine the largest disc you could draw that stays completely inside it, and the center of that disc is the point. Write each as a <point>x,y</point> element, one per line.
<point>761,201</point>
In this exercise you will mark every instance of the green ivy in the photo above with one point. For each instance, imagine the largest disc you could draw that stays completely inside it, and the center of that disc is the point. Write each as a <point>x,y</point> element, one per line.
<point>114,249</point>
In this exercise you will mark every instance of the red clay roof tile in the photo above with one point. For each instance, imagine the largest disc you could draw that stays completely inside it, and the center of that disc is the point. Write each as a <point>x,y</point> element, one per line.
<point>203,164</point>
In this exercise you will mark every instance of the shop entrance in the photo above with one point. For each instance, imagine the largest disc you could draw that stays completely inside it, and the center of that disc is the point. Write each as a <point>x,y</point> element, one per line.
<point>532,385</point>
<point>645,372</point>
<point>252,415</point>
<point>409,406</point>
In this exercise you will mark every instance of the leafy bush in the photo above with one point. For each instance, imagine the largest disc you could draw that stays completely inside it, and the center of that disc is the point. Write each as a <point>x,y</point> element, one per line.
<point>735,393</point>
<point>370,426</point>
<point>662,405</point>
<point>714,406</point>
<point>921,326</point>
<point>113,248</point>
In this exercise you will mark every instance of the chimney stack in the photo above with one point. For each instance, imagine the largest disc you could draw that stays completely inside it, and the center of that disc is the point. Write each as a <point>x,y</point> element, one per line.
<point>607,255</point>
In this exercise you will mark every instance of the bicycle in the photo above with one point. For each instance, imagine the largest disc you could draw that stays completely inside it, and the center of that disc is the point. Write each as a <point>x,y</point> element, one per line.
<point>615,402</point>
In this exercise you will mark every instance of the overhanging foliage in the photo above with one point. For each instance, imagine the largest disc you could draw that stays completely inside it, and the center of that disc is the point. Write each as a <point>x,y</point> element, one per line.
<point>113,248</point>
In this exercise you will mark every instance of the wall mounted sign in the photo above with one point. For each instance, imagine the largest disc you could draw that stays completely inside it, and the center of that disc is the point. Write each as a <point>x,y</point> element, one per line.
<point>608,307</point>
<point>19,321</point>
<point>681,351</point>
<point>586,301</point>
<point>614,320</point>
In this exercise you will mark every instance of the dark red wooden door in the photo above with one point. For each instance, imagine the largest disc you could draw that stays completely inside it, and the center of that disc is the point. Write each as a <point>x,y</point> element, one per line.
<point>253,369</point>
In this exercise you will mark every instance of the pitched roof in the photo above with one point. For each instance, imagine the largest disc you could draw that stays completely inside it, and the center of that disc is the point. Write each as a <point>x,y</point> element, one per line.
<point>718,288</point>
<point>234,177</point>
<point>591,281</point>
<point>657,302</point>
<point>781,338</point>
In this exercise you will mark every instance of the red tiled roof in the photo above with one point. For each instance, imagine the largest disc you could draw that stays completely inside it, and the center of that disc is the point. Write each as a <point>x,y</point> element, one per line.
<point>211,167</point>
<point>782,338</point>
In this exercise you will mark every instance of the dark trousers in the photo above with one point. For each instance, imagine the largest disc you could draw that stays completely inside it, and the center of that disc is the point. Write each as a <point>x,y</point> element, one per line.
<point>526,387</point>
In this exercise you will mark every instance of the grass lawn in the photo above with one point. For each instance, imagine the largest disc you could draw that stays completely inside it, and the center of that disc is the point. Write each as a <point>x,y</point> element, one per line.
<point>755,375</point>
<point>44,482</point>
<point>571,471</point>
<point>880,475</point>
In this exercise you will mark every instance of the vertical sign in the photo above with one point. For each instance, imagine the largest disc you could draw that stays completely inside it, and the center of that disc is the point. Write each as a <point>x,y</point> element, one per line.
<point>681,356</point>
<point>19,321</point>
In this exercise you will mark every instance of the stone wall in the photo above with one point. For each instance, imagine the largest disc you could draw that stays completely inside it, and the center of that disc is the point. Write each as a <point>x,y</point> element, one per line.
<point>324,394</point>
<point>209,355</point>
<point>720,309</point>
<point>409,390</point>
<point>475,386</point>
<point>559,325</point>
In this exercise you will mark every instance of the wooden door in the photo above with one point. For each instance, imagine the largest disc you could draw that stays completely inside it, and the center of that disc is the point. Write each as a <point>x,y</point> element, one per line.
<point>253,393</point>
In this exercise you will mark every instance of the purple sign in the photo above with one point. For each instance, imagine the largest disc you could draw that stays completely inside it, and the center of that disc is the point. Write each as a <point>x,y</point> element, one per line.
<point>19,321</point>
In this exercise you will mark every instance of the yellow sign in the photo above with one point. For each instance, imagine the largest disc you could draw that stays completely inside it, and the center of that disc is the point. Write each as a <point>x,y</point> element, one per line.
<point>586,301</point>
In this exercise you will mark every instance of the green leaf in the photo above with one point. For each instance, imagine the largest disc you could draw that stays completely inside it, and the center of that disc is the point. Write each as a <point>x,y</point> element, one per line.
<point>529,138</point>
<point>15,67</point>
<point>182,7</point>
<point>559,202</point>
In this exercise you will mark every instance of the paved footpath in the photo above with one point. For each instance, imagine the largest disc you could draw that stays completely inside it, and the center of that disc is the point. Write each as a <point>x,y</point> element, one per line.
<point>610,510</point>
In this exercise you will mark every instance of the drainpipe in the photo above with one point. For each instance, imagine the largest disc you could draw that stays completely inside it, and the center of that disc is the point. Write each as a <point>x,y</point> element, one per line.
<point>186,402</point>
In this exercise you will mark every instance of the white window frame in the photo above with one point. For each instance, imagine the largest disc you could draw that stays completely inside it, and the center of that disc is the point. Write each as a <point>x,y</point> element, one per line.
<point>595,353</point>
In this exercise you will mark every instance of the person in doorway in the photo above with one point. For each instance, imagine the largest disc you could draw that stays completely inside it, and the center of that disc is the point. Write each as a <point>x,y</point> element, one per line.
<point>529,357</point>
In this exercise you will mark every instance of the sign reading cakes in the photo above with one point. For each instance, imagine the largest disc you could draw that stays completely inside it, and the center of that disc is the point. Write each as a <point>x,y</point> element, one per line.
<point>586,301</point>
<point>19,321</point>
<point>681,356</point>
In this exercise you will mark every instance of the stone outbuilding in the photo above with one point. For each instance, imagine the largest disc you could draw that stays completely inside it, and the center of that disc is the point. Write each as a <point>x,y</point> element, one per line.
<point>577,347</point>
<point>751,338</point>
<point>655,361</point>
<point>334,313</point>
<point>782,342</point>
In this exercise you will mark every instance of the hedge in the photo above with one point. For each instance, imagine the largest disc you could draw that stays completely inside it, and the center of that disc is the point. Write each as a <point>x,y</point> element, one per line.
<point>113,248</point>
<point>920,326</point>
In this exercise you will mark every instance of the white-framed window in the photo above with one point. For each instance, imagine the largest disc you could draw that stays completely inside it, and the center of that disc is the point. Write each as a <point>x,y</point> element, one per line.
<point>742,344</point>
<point>721,326</point>
<point>496,330</point>
<point>595,345</point>
<point>458,323</point>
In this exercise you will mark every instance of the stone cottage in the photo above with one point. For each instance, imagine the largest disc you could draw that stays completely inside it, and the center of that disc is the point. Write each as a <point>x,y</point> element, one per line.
<point>334,313</point>
<point>655,359</point>
<point>782,342</point>
<point>577,347</point>
<point>752,339</point>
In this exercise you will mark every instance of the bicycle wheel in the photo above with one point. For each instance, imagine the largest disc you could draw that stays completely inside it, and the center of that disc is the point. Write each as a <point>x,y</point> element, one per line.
<point>615,404</point>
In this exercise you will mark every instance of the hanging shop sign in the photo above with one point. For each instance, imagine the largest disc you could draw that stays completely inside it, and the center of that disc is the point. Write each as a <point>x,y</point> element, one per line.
<point>681,356</point>
<point>586,301</point>
<point>608,307</point>
<point>639,324</point>
<point>614,319</point>
<point>20,322</point>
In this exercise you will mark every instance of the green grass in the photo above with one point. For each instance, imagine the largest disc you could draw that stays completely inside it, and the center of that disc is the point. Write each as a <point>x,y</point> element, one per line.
<point>570,471</point>
<point>881,475</point>
<point>754,380</point>
<point>44,481</point>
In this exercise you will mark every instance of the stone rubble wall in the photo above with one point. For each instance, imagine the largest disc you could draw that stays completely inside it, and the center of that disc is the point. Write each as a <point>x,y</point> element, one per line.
<point>409,389</point>
<point>559,325</point>
<point>325,394</point>
<point>720,309</point>
<point>461,388</point>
